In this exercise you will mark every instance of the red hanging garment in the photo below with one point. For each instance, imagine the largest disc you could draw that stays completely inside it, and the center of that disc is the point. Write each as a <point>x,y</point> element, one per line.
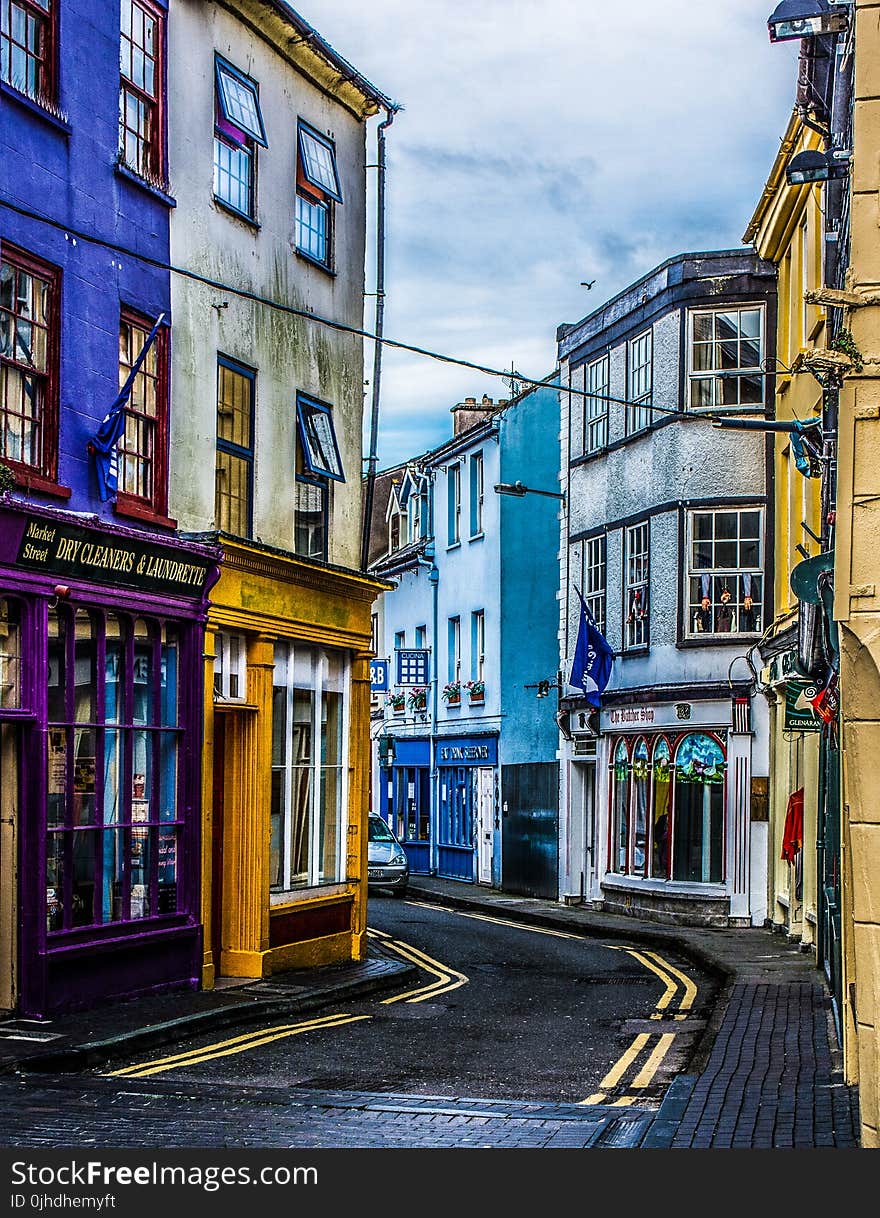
<point>793,835</point>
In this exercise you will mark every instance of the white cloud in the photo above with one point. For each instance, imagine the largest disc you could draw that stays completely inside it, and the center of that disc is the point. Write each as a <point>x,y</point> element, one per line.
<point>542,144</point>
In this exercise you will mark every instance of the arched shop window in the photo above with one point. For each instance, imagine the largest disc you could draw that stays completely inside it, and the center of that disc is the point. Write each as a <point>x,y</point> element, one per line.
<point>620,805</point>
<point>698,810</point>
<point>639,818</point>
<point>660,809</point>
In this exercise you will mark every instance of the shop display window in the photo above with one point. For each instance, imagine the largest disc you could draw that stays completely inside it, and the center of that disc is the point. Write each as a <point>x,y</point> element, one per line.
<point>113,820</point>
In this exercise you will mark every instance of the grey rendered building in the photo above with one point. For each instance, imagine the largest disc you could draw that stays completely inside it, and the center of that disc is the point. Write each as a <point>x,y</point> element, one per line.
<point>668,533</point>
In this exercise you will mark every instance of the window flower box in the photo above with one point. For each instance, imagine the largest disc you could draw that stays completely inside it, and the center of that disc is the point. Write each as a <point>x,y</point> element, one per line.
<point>476,692</point>
<point>397,702</point>
<point>451,693</point>
<point>418,698</point>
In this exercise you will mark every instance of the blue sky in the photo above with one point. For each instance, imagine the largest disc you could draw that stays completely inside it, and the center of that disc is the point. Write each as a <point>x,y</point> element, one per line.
<point>541,144</point>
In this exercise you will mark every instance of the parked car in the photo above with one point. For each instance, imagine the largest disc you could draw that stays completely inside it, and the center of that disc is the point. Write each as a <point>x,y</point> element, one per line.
<point>387,864</point>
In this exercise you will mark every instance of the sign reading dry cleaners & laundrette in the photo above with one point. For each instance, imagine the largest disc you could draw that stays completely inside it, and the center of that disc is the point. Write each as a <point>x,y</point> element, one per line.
<point>70,550</point>
<point>467,750</point>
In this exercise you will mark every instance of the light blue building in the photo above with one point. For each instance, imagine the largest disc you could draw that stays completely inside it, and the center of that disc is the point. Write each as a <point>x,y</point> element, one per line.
<point>465,755</point>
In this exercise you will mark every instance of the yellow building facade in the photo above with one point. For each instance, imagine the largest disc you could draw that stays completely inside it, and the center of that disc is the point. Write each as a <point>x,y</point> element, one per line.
<point>857,589</point>
<point>286,764</point>
<point>786,229</point>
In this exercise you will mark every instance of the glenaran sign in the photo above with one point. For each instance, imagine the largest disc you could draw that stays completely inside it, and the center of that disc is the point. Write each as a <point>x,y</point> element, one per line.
<point>73,551</point>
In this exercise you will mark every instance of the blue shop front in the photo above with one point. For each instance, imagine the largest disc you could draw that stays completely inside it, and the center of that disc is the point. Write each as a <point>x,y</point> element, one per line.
<point>467,820</point>
<point>405,799</point>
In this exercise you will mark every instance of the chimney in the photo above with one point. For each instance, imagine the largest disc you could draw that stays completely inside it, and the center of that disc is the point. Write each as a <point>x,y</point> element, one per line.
<point>468,414</point>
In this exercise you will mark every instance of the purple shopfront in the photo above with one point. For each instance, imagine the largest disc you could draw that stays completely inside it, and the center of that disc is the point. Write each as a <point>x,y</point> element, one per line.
<point>101,710</point>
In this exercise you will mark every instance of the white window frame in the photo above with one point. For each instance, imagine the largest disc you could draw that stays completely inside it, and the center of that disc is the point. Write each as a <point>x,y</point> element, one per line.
<point>595,412</point>
<point>594,577</point>
<point>478,642</point>
<point>230,667</point>
<point>640,381</point>
<point>453,643</point>
<point>637,576</point>
<point>732,575</point>
<point>477,476</point>
<point>696,375</point>
<point>453,504</point>
<point>319,665</point>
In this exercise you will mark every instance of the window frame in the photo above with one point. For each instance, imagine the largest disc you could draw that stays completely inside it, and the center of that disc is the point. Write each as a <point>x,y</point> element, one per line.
<point>22,261</point>
<point>734,574</point>
<point>323,487</point>
<point>223,66</point>
<point>478,644</point>
<point>477,494</point>
<point>453,504</point>
<point>453,649</point>
<point>304,129</point>
<point>232,449</point>
<point>639,411</point>
<point>595,589</point>
<point>316,196</point>
<point>305,402</point>
<point>47,87</point>
<point>597,388</point>
<point>637,639</point>
<point>127,502</point>
<point>157,172</point>
<point>715,375</point>
<point>231,135</point>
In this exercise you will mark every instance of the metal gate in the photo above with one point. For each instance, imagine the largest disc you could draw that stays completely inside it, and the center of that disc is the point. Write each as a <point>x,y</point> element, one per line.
<point>530,829</point>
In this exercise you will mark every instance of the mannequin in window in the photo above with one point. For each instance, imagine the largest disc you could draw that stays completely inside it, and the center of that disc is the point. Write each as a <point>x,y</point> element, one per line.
<point>725,620</point>
<point>703,617</point>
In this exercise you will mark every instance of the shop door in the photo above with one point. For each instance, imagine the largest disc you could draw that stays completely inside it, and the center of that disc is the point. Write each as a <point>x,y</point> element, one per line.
<point>217,840</point>
<point>411,815</point>
<point>530,829</point>
<point>582,813</point>
<point>455,851</point>
<point>9,792</point>
<point>829,876</point>
<point>484,796</point>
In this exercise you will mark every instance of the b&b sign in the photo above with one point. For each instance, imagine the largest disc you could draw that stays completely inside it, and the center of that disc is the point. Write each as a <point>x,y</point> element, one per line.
<point>379,676</point>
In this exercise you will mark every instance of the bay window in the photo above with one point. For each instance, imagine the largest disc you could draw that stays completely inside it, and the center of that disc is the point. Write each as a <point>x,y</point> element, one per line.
<point>309,764</point>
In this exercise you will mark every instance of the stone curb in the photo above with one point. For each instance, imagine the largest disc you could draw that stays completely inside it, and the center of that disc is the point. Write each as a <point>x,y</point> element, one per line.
<point>85,1055</point>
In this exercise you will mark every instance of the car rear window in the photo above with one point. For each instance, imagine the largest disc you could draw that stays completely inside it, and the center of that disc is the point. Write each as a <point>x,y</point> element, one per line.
<point>379,831</point>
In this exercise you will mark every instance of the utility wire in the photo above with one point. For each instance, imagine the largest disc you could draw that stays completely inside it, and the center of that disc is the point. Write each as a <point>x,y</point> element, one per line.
<point>344,328</point>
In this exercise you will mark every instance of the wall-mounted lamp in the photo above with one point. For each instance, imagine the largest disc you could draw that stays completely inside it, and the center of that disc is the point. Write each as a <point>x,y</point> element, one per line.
<point>386,751</point>
<point>815,166</point>
<point>805,19</point>
<point>519,490</point>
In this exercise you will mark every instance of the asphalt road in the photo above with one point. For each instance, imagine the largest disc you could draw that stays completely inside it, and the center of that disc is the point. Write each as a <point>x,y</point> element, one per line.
<point>501,1011</point>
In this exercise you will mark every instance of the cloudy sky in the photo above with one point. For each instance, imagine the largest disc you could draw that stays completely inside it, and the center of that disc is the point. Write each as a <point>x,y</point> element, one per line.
<point>545,143</point>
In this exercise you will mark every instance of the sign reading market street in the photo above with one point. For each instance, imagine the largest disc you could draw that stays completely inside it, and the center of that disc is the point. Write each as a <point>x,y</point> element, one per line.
<point>73,551</point>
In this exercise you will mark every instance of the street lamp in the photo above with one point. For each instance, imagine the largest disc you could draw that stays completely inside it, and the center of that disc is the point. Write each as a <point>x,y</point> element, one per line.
<point>519,490</point>
<point>811,165</point>
<point>805,18</point>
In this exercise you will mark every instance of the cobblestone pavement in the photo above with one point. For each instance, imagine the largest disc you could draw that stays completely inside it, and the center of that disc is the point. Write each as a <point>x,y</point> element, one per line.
<point>94,1112</point>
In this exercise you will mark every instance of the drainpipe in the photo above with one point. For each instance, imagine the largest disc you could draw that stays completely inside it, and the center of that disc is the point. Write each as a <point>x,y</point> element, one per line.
<point>379,330</point>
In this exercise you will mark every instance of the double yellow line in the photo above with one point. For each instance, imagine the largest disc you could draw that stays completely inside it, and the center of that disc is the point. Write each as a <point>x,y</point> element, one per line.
<point>445,980</point>
<point>236,1044</point>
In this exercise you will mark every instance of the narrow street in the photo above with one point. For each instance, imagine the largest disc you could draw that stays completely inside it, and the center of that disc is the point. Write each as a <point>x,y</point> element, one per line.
<point>512,1035</point>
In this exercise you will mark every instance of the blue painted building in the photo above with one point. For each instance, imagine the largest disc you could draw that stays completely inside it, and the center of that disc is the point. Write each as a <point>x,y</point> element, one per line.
<point>465,763</point>
<point>102,604</point>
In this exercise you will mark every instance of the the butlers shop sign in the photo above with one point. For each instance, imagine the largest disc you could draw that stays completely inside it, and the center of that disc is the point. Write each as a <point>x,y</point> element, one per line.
<point>69,550</point>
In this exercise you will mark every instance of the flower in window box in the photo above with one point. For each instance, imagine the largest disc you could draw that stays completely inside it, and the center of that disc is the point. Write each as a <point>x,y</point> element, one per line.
<point>418,698</point>
<point>476,690</point>
<point>397,702</point>
<point>451,693</point>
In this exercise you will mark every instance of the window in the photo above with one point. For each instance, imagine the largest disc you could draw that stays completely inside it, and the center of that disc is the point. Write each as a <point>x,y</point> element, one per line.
<point>309,760</point>
<point>596,406</point>
<point>317,189</point>
<point>453,650</point>
<point>421,635</point>
<point>318,438</point>
<point>476,494</point>
<point>637,559</point>
<point>11,693</point>
<point>114,829</point>
<point>311,530</point>
<point>725,358</point>
<point>806,280</point>
<point>620,809</point>
<point>238,128</point>
<point>142,459</point>
<point>478,644</point>
<point>640,379</point>
<point>453,504</point>
<point>374,633</point>
<point>399,640</point>
<point>28,362</point>
<point>230,668</point>
<point>698,810</point>
<point>725,585</point>
<point>234,471</point>
<point>27,46</point>
<point>141,136</point>
<point>593,578</point>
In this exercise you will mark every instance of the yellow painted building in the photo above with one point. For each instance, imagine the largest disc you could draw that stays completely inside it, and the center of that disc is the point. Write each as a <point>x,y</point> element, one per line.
<point>787,230</point>
<point>286,764</point>
<point>857,588</point>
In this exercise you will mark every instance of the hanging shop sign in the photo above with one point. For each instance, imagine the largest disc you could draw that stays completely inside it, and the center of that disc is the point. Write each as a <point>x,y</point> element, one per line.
<point>379,676</point>
<point>75,552</point>
<point>412,666</point>
<point>800,712</point>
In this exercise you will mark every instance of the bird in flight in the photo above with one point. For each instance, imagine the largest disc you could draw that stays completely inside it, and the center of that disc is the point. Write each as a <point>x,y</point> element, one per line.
<point>584,283</point>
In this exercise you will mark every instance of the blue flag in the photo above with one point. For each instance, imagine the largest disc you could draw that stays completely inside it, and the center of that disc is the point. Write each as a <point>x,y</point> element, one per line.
<point>593,657</point>
<point>103,445</point>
